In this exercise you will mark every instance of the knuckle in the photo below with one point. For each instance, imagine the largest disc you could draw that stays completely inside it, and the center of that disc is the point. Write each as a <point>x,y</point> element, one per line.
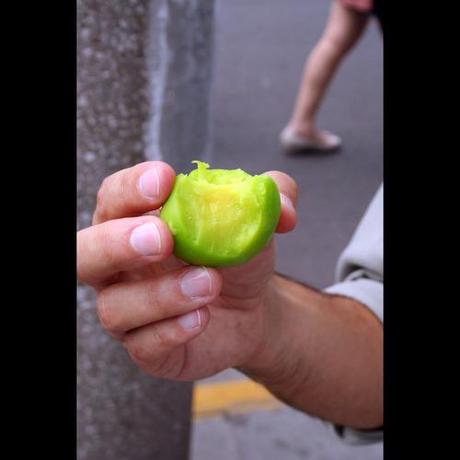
<point>107,248</point>
<point>150,351</point>
<point>100,211</point>
<point>105,314</point>
<point>164,337</point>
<point>124,184</point>
<point>101,193</point>
<point>153,303</point>
<point>159,337</point>
<point>139,352</point>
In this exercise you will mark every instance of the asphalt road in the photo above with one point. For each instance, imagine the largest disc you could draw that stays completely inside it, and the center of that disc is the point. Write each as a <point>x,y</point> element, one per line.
<point>259,55</point>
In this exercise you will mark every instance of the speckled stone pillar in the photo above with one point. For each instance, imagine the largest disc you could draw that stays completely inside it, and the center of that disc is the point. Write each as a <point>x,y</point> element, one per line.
<point>180,67</point>
<point>132,95</point>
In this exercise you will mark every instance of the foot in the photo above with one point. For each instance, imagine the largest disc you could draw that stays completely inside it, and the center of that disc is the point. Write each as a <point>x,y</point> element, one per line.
<point>319,140</point>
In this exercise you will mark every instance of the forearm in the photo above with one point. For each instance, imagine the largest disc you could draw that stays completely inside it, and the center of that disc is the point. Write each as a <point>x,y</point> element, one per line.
<point>323,355</point>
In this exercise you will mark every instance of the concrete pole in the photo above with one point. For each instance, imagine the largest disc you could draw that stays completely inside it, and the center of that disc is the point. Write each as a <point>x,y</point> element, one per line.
<point>142,93</point>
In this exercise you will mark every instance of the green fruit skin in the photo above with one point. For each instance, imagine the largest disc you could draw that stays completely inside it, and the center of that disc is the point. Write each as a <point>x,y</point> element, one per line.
<point>203,239</point>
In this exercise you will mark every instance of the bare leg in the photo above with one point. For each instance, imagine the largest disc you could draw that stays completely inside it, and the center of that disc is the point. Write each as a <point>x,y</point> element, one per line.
<point>343,29</point>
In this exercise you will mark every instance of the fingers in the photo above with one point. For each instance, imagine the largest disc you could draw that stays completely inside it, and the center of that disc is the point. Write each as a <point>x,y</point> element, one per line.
<point>126,306</point>
<point>154,318</point>
<point>134,191</point>
<point>288,195</point>
<point>105,249</point>
<point>152,347</point>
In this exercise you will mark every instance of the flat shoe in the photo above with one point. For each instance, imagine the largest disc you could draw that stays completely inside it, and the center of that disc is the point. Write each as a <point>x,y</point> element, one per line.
<point>293,141</point>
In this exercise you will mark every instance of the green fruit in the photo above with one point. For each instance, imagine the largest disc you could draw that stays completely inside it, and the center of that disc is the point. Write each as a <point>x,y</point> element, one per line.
<point>221,217</point>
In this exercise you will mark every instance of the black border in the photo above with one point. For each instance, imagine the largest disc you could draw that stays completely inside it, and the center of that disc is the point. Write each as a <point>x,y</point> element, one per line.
<point>411,158</point>
<point>44,337</point>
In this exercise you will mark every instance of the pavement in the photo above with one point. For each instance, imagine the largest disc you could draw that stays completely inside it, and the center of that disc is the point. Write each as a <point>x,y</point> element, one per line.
<point>260,51</point>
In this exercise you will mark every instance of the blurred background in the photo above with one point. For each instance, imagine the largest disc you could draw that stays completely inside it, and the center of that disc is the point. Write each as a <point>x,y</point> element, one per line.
<point>216,79</point>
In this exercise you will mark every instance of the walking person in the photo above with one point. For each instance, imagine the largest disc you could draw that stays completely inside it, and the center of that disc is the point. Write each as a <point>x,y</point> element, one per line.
<point>346,23</point>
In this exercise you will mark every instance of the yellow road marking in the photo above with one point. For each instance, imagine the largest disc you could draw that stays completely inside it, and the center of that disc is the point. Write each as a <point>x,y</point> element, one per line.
<point>234,396</point>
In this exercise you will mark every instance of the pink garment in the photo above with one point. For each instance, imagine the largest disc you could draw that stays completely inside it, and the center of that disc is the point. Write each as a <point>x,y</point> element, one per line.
<point>358,5</point>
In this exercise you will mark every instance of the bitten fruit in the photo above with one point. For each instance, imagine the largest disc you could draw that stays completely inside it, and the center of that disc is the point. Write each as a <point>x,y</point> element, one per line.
<point>221,217</point>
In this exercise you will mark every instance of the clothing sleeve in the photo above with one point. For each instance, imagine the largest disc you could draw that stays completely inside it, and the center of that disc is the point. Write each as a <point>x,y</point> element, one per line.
<point>365,290</point>
<point>359,275</point>
<point>359,272</point>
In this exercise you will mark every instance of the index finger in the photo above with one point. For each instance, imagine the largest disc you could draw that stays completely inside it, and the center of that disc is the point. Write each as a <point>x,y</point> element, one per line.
<point>134,191</point>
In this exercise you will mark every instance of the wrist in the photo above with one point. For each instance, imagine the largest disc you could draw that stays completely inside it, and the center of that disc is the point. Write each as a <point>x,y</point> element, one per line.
<point>276,361</point>
<point>321,354</point>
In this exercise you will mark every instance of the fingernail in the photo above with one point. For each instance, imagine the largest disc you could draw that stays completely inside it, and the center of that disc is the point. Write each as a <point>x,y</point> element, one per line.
<point>149,183</point>
<point>191,320</point>
<point>286,201</point>
<point>146,239</point>
<point>196,283</point>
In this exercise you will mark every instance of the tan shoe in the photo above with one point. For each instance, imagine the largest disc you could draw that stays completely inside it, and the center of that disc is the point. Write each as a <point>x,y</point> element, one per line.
<point>325,141</point>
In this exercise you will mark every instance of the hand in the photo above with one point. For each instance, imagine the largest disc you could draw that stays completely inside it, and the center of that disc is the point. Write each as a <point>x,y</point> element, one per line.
<point>176,321</point>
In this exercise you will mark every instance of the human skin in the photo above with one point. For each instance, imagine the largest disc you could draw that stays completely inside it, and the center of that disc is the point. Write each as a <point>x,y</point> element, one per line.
<point>319,353</point>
